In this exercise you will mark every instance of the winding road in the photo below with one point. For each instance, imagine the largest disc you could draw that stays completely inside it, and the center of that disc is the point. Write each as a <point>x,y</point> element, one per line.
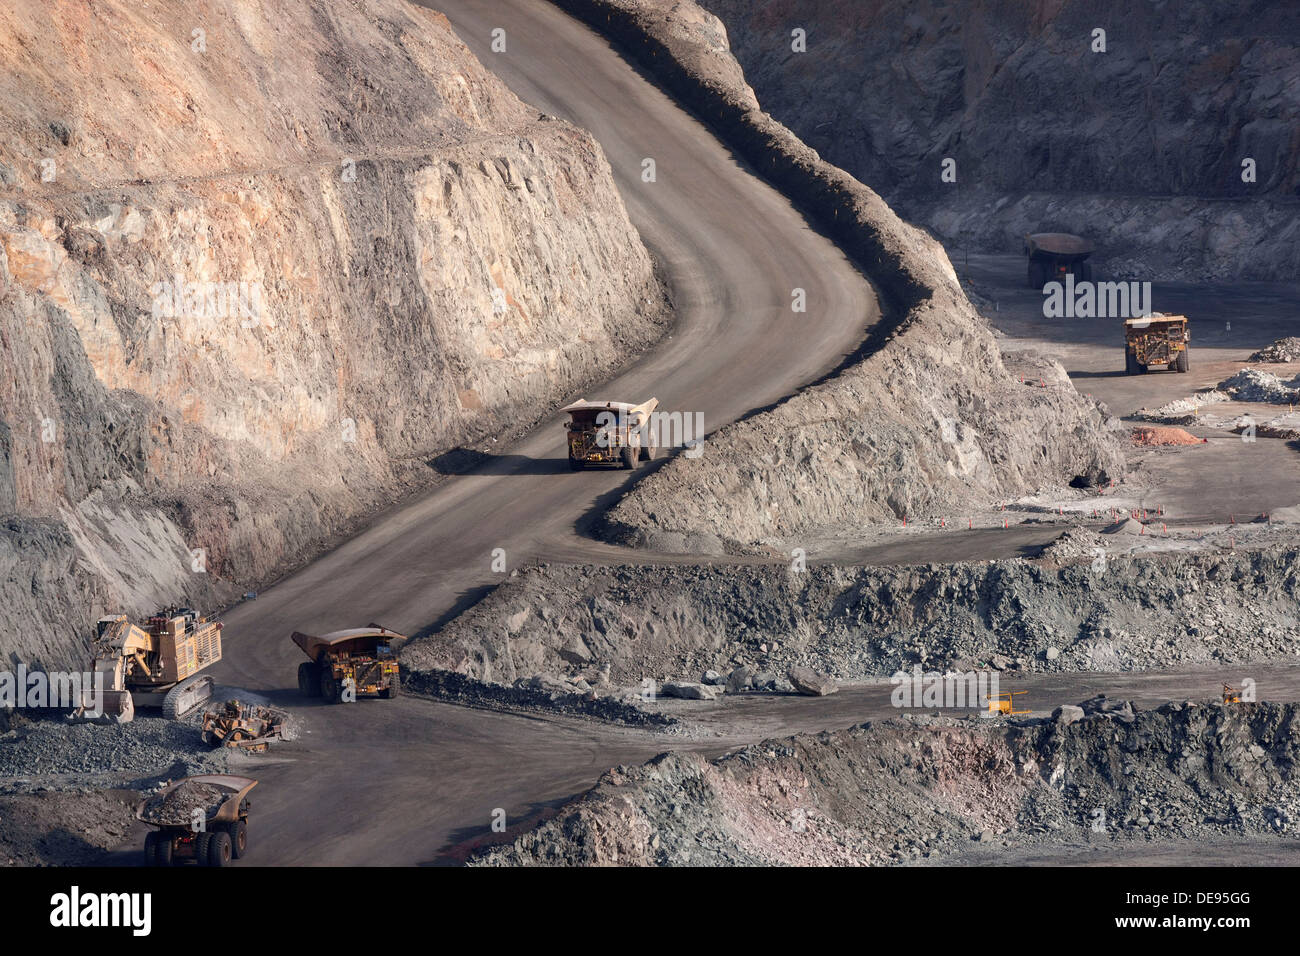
<point>407,781</point>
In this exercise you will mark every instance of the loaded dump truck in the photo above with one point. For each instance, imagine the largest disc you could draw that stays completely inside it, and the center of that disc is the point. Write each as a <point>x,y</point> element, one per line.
<point>610,433</point>
<point>363,659</point>
<point>202,819</point>
<point>1054,254</point>
<point>154,665</point>
<point>1155,340</point>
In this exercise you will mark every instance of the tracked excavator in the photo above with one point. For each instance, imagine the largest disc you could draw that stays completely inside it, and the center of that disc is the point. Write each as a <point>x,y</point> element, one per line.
<point>154,665</point>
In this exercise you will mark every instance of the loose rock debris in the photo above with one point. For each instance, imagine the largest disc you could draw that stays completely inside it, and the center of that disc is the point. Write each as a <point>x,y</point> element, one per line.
<point>176,807</point>
<point>929,787</point>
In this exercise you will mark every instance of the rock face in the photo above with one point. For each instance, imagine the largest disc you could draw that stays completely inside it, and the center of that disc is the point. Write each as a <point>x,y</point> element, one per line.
<point>898,791</point>
<point>926,416</point>
<point>858,623</point>
<point>1140,147</point>
<point>259,266</point>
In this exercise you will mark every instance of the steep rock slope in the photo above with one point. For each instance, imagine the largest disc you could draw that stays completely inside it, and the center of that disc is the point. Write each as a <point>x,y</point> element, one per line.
<point>925,416</point>
<point>614,626</point>
<point>1140,146</point>
<point>259,262</point>
<point>890,792</point>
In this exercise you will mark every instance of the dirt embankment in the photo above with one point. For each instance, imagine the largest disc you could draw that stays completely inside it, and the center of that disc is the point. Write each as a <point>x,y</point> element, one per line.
<point>1140,147</point>
<point>260,263</point>
<point>925,416</point>
<point>1096,610</point>
<point>930,787</point>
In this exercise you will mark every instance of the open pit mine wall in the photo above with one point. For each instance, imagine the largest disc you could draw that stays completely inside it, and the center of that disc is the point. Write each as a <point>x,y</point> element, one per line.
<point>415,260</point>
<point>1140,147</point>
<point>925,417</point>
<point>858,623</point>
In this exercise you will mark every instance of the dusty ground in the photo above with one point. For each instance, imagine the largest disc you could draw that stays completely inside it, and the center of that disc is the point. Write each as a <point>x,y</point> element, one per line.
<point>65,828</point>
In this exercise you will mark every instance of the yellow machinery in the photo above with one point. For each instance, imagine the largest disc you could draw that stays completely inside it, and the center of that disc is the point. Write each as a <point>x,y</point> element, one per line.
<point>1152,341</point>
<point>1002,703</point>
<point>610,433</point>
<point>361,658</point>
<point>247,726</point>
<point>154,665</point>
<point>1054,254</point>
<point>1231,695</point>
<point>222,835</point>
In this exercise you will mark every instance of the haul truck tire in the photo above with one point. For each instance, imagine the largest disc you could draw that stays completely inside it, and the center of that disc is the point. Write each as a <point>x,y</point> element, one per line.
<point>308,679</point>
<point>1180,363</point>
<point>238,839</point>
<point>220,850</point>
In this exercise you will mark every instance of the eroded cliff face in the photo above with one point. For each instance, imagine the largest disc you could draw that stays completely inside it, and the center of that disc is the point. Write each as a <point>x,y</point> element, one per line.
<point>1140,147</point>
<point>259,263</point>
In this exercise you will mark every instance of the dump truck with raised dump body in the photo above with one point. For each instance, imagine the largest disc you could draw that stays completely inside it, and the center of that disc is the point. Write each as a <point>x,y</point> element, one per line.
<point>1052,255</point>
<point>154,665</point>
<point>1155,340</point>
<point>610,433</point>
<point>202,819</point>
<point>344,665</point>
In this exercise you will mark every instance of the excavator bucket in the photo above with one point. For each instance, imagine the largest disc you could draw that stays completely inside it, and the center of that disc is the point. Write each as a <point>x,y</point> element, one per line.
<point>112,707</point>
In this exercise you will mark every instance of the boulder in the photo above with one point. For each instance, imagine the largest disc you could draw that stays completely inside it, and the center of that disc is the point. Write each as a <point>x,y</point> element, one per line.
<point>742,678</point>
<point>1067,714</point>
<point>688,691</point>
<point>810,683</point>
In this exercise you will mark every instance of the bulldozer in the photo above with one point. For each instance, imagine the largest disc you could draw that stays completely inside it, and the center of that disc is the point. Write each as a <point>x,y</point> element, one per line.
<point>363,659</point>
<point>154,665</point>
<point>1155,340</point>
<point>610,433</point>
<point>247,727</point>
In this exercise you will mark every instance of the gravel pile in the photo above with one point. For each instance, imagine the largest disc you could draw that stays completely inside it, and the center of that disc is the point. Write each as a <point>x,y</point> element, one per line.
<point>1164,435</point>
<point>1252,385</point>
<point>176,806</point>
<point>145,748</point>
<point>1283,350</point>
<point>927,787</point>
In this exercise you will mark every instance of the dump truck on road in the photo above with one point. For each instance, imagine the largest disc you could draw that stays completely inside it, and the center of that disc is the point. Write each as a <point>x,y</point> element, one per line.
<point>358,662</point>
<point>1155,340</point>
<point>1054,254</point>
<point>203,819</point>
<point>610,433</point>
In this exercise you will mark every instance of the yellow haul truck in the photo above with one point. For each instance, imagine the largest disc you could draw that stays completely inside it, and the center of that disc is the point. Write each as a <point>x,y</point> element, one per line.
<point>1155,340</point>
<point>610,433</point>
<point>364,656</point>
